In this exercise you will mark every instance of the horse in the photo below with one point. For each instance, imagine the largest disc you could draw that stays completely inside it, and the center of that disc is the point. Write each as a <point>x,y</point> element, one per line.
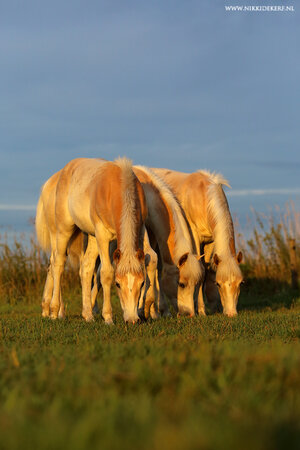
<point>181,269</point>
<point>103,199</point>
<point>203,200</point>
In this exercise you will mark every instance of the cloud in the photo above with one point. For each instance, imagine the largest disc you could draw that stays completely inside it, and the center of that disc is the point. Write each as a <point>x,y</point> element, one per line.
<point>262,192</point>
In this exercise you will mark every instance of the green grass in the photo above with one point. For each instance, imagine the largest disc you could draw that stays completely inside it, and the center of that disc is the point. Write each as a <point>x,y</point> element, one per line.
<point>201,383</point>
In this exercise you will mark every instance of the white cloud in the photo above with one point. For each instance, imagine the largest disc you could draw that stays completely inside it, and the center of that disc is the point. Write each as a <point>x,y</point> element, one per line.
<point>245,192</point>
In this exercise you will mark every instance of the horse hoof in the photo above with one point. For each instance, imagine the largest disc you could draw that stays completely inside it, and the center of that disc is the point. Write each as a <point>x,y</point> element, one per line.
<point>109,322</point>
<point>89,318</point>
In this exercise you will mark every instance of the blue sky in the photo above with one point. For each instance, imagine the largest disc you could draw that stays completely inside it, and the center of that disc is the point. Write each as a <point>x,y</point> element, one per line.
<point>184,85</point>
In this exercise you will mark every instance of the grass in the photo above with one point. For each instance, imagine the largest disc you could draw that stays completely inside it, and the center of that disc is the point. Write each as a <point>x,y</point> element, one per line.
<point>208,383</point>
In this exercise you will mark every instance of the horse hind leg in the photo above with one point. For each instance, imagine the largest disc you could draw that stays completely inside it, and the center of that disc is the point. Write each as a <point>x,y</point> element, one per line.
<point>57,270</point>
<point>47,294</point>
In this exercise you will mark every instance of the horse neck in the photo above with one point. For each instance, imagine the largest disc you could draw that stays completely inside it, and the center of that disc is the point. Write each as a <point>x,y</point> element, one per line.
<point>179,240</point>
<point>220,222</point>
<point>172,232</point>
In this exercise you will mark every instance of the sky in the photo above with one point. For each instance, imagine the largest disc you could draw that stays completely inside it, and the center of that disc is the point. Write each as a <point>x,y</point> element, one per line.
<point>169,83</point>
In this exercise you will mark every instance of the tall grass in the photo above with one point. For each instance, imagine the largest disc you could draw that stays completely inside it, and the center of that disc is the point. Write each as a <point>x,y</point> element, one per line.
<point>266,253</point>
<point>23,268</point>
<point>23,265</point>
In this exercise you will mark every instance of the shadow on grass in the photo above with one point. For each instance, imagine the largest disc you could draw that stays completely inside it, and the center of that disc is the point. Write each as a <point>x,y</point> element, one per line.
<point>263,293</point>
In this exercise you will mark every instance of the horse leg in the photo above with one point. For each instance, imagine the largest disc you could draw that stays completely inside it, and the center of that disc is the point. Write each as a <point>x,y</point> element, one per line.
<point>154,308</point>
<point>47,294</point>
<point>61,312</point>
<point>95,290</point>
<point>106,271</point>
<point>86,273</point>
<point>201,306</point>
<point>57,270</point>
<point>148,299</point>
<point>107,275</point>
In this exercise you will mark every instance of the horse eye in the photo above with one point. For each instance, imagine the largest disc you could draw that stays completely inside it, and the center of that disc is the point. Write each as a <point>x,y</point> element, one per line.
<point>182,285</point>
<point>142,284</point>
<point>118,285</point>
<point>217,284</point>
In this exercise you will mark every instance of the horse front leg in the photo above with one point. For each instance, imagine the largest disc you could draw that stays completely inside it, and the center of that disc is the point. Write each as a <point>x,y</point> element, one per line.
<point>107,276</point>
<point>106,272</point>
<point>201,306</point>
<point>86,274</point>
<point>148,299</point>
<point>95,290</point>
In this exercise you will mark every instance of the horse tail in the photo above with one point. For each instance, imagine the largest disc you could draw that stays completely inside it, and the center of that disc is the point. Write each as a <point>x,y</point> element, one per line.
<point>41,227</point>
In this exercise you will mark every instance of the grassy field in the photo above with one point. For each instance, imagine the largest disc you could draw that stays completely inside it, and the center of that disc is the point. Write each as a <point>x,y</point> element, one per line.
<point>201,383</point>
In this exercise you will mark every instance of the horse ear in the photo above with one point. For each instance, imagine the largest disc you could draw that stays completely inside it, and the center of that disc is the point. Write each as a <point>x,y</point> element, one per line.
<point>140,255</point>
<point>182,259</point>
<point>117,255</point>
<point>216,259</point>
<point>239,257</point>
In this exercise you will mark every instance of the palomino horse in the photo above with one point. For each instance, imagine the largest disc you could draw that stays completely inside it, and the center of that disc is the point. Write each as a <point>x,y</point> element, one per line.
<point>181,269</point>
<point>105,200</point>
<point>206,208</point>
<point>82,251</point>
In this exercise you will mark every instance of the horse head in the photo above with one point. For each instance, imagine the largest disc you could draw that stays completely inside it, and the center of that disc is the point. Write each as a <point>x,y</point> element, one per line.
<point>228,280</point>
<point>179,282</point>
<point>130,282</point>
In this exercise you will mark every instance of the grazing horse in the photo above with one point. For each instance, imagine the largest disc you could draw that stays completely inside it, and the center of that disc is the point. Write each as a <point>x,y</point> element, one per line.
<point>181,269</point>
<point>105,200</point>
<point>206,208</point>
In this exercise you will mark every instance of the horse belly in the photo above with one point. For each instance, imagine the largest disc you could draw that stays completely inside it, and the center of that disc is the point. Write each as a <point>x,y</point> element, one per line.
<point>81,216</point>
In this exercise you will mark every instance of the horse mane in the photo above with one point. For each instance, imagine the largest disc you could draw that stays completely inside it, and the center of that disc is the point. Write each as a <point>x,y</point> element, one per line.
<point>216,178</point>
<point>183,243</point>
<point>129,261</point>
<point>223,234</point>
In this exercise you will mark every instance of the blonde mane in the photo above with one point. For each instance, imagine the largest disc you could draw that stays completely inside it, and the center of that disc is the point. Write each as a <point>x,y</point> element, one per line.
<point>223,234</point>
<point>128,262</point>
<point>183,243</point>
<point>215,178</point>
